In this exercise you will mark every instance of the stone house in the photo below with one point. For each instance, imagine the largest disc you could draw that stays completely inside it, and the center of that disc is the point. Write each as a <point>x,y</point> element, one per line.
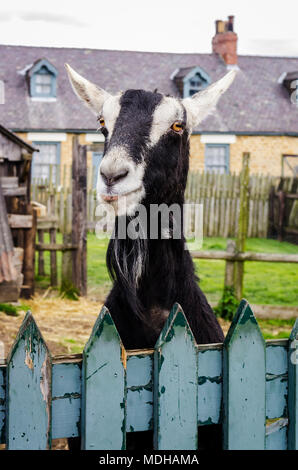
<point>258,114</point>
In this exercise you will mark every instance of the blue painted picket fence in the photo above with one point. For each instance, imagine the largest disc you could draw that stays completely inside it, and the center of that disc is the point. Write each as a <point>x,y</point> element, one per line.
<point>247,384</point>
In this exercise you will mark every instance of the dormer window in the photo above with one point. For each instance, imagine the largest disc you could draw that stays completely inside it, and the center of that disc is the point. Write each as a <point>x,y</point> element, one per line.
<point>190,80</point>
<point>290,82</point>
<point>42,76</point>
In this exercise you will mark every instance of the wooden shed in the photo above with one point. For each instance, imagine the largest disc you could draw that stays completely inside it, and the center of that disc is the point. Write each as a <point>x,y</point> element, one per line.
<point>17,218</point>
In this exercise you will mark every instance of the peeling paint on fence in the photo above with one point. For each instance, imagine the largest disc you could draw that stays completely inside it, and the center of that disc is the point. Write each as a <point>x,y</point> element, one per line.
<point>175,385</point>
<point>244,368</point>
<point>192,384</point>
<point>29,394</point>
<point>103,424</point>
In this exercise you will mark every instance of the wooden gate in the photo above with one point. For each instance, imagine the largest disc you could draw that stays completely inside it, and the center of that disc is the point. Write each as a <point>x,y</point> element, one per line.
<point>247,384</point>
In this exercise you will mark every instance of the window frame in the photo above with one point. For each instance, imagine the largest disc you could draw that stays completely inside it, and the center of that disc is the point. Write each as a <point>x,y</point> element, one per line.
<point>227,156</point>
<point>187,79</point>
<point>35,71</point>
<point>58,158</point>
<point>95,173</point>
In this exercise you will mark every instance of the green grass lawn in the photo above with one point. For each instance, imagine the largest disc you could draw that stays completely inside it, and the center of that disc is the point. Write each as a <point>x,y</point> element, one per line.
<point>264,283</point>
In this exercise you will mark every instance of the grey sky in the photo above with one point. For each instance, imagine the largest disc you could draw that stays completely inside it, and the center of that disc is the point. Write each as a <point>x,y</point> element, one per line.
<point>264,27</point>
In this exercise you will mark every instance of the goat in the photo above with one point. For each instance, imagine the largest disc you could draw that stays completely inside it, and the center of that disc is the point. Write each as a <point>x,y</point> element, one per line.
<point>146,162</point>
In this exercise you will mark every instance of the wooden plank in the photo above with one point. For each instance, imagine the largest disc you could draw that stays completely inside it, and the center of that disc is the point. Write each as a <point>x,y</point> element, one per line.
<point>20,191</point>
<point>66,404</point>
<point>104,388</point>
<point>244,383</point>
<point>79,216</point>
<point>55,246</point>
<point>293,389</point>
<point>242,225</point>
<point>139,392</point>
<point>47,223</point>
<point>209,386</point>
<point>53,260</point>
<point>29,254</point>
<point>41,264</point>
<point>276,381</point>
<point>2,402</point>
<point>29,378</point>
<point>276,435</point>
<point>246,256</point>
<point>19,221</point>
<point>175,385</point>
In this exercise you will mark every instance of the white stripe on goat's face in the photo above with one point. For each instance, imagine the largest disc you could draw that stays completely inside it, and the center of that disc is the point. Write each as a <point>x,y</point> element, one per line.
<point>133,124</point>
<point>144,147</point>
<point>165,114</point>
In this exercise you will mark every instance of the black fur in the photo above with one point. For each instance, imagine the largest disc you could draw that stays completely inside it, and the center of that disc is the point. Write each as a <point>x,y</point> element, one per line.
<point>168,272</point>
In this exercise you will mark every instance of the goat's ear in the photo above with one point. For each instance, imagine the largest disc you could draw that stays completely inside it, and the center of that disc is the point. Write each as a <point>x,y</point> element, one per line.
<point>202,103</point>
<point>93,96</point>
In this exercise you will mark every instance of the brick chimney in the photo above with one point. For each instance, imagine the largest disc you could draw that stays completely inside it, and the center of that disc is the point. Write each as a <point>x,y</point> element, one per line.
<point>224,42</point>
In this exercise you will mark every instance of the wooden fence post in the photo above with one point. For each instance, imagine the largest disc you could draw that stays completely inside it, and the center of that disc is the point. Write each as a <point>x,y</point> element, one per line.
<point>281,214</point>
<point>29,255</point>
<point>79,215</point>
<point>53,254</point>
<point>230,265</point>
<point>41,269</point>
<point>242,223</point>
<point>176,385</point>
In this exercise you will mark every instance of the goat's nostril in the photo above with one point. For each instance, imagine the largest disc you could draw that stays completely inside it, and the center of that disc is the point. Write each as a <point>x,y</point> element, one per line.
<point>120,176</point>
<point>111,178</point>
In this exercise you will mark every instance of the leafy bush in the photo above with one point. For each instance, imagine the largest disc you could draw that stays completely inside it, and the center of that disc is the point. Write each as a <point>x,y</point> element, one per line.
<point>228,304</point>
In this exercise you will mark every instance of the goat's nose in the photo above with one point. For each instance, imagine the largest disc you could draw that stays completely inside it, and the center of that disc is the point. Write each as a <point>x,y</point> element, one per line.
<point>111,178</point>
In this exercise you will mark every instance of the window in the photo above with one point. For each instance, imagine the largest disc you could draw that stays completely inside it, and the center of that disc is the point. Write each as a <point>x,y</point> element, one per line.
<point>195,81</point>
<point>217,158</point>
<point>43,80</point>
<point>96,159</point>
<point>46,162</point>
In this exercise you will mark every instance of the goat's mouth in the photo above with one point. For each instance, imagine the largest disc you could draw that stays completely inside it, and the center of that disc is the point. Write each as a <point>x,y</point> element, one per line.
<point>115,197</point>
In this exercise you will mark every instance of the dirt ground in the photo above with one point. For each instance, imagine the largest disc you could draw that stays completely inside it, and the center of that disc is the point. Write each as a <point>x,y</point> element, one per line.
<point>65,324</point>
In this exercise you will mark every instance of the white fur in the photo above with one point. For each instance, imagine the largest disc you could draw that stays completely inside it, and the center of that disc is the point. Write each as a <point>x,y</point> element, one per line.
<point>166,113</point>
<point>130,190</point>
<point>93,96</point>
<point>110,112</point>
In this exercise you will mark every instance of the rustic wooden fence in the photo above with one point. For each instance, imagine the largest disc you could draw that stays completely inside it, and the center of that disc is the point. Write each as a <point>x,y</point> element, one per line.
<point>67,212</point>
<point>219,195</point>
<point>247,384</point>
<point>283,210</point>
<point>58,197</point>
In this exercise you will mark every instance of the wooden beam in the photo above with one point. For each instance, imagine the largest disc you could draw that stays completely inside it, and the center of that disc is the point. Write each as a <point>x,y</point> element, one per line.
<point>55,247</point>
<point>79,215</point>
<point>20,221</point>
<point>21,191</point>
<point>246,256</point>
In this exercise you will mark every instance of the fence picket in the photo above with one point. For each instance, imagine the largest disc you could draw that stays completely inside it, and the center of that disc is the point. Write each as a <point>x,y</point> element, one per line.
<point>244,383</point>
<point>104,388</point>
<point>29,394</point>
<point>175,385</point>
<point>293,389</point>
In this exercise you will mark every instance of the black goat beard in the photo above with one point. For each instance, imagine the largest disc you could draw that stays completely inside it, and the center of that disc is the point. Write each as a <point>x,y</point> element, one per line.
<point>127,261</point>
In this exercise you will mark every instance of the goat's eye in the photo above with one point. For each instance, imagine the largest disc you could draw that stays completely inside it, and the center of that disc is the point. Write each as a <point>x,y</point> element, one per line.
<point>177,127</point>
<point>101,122</point>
